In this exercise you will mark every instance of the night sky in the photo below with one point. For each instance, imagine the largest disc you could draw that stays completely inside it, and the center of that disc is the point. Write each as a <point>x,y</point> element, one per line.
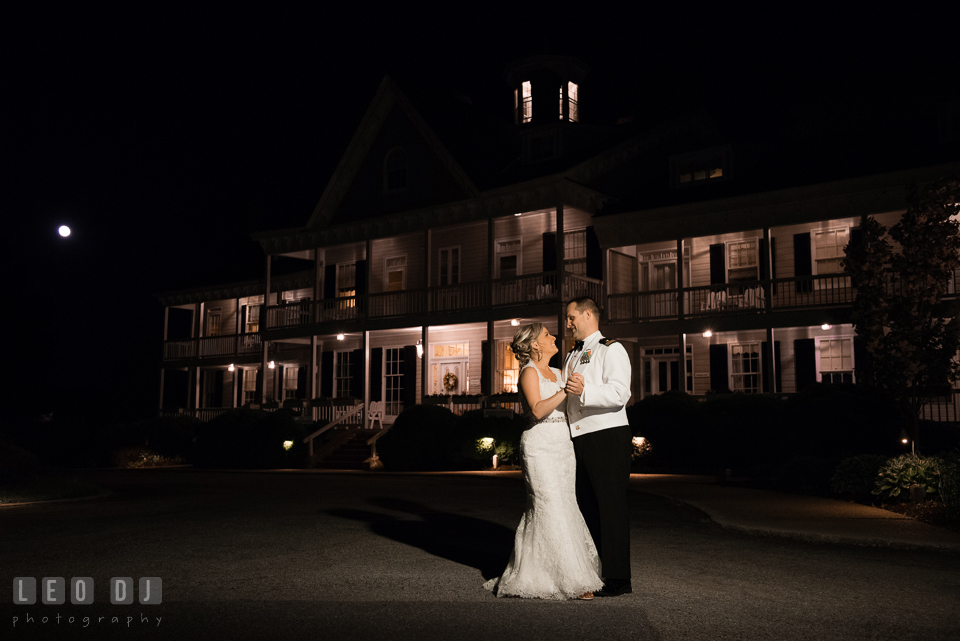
<point>164,138</point>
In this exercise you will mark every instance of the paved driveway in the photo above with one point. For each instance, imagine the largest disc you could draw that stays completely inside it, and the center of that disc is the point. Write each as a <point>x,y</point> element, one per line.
<point>361,556</point>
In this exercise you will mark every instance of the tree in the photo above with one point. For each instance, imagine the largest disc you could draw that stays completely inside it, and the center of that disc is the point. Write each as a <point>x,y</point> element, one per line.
<point>910,335</point>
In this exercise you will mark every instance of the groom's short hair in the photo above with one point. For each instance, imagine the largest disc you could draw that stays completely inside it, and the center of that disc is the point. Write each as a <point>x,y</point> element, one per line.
<point>585,303</point>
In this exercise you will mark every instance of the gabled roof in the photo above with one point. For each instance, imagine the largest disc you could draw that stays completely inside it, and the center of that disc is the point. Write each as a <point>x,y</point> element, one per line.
<point>388,100</point>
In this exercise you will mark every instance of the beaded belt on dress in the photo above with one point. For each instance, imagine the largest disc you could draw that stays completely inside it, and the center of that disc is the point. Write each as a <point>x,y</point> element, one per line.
<point>553,419</point>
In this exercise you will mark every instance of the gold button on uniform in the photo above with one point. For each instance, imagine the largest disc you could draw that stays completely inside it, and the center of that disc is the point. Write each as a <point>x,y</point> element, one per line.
<point>578,427</point>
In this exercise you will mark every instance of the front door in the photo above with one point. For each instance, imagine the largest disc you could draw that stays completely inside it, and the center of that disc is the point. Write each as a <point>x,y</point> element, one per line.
<point>451,378</point>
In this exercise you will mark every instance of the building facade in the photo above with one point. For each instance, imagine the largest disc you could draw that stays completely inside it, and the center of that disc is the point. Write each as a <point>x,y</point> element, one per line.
<point>442,229</point>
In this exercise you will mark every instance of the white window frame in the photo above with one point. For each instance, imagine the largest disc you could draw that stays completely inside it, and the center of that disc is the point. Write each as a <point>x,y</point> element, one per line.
<point>508,378</point>
<point>450,263</point>
<point>518,252</point>
<point>211,314</point>
<point>759,373</point>
<point>842,280</point>
<point>728,254</point>
<point>435,361</point>
<point>662,352</point>
<point>526,103</point>
<point>339,291</point>
<point>652,258</point>
<point>341,363</point>
<point>289,392</point>
<point>249,385</point>
<point>392,374</point>
<point>853,356</point>
<point>253,309</point>
<point>400,268</point>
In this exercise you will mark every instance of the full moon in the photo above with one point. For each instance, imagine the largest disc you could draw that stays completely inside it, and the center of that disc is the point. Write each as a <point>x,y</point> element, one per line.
<point>64,231</point>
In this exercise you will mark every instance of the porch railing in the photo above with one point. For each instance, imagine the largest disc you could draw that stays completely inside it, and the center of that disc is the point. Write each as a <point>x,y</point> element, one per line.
<point>208,346</point>
<point>357,410</point>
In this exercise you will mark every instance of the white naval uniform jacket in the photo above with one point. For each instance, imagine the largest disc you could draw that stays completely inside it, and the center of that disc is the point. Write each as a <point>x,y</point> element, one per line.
<point>606,387</point>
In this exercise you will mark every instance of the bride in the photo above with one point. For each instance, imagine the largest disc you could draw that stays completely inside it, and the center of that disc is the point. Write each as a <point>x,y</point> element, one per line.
<point>554,556</point>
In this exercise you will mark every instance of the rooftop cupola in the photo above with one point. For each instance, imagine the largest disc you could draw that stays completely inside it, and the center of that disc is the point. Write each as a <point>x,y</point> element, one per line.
<point>546,89</point>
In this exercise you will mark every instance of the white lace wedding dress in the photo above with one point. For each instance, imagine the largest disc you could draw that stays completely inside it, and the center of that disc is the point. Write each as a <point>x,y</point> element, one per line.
<point>553,553</point>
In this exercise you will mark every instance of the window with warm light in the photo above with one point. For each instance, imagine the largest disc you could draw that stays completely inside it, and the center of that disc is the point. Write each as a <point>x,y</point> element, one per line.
<point>395,170</point>
<point>700,167</point>
<point>745,368</point>
<point>253,319</point>
<point>836,360</point>
<point>347,284</point>
<point>508,368</point>
<point>289,383</point>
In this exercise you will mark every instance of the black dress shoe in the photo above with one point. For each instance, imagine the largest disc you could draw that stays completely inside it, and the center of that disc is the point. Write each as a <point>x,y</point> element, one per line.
<point>615,587</point>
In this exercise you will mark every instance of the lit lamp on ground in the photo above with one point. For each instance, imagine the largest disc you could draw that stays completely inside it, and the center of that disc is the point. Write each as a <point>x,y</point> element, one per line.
<point>287,445</point>
<point>486,444</point>
<point>904,438</point>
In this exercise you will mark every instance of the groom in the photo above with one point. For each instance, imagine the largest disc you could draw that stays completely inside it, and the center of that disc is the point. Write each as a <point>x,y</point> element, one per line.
<point>598,387</point>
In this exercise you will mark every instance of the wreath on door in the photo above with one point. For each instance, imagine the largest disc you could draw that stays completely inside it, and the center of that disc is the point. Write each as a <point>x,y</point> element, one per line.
<point>450,381</point>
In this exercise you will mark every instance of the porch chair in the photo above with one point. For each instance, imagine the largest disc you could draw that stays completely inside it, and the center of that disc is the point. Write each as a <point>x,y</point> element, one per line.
<point>375,413</point>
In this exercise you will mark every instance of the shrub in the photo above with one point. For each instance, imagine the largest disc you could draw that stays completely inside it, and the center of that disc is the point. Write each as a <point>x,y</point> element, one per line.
<point>857,474</point>
<point>899,473</point>
<point>138,457</point>
<point>15,463</point>
<point>421,439</point>
<point>948,484</point>
<point>245,438</point>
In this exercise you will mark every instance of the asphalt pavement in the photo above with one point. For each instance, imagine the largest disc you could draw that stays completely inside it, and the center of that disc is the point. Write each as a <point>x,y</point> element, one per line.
<point>316,555</point>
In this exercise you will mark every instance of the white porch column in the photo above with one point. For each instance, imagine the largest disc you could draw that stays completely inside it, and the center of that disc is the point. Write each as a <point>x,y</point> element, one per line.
<point>366,371</point>
<point>681,314</point>
<point>491,252</point>
<point>492,355</point>
<point>767,277</point>
<point>424,362</point>
<point>263,371</point>
<point>314,377</point>
<point>317,275</point>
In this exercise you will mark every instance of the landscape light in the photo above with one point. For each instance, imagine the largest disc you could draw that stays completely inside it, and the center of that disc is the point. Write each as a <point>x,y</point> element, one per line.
<point>287,445</point>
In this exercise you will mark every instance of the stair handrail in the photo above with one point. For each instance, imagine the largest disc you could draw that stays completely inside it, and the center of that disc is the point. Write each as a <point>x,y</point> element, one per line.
<point>372,441</point>
<point>309,439</point>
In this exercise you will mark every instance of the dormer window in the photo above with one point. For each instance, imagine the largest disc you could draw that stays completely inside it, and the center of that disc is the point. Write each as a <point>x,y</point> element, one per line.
<point>395,171</point>
<point>572,106</point>
<point>700,167</point>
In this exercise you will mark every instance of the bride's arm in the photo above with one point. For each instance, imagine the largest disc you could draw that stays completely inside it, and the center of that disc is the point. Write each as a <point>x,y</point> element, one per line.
<point>530,386</point>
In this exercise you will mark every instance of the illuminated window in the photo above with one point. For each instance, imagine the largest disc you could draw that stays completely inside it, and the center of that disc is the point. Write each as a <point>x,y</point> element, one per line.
<point>249,386</point>
<point>699,167</point>
<point>395,170</point>
<point>829,250</point>
<point>527,104</point>
<point>396,269</point>
<point>253,318</point>
<point>836,360</point>
<point>572,101</point>
<point>745,368</point>
<point>508,368</point>
<point>289,382</point>
<point>445,350</point>
<point>347,284</point>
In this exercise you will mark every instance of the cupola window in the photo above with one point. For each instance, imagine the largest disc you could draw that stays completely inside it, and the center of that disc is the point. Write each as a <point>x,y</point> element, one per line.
<point>527,102</point>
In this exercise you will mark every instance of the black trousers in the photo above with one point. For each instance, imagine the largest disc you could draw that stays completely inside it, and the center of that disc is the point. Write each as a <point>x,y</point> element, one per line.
<point>603,478</point>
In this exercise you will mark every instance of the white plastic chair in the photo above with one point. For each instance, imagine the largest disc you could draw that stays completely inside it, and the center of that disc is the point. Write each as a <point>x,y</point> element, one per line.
<point>375,413</point>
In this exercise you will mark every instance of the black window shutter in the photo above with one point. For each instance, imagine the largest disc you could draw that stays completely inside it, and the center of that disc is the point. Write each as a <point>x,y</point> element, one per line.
<point>218,388</point>
<point>773,260</point>
<point>356,373</point>
<point>856,241</point>
<point>765,361</point>
<point>243,319</point>
<point>278,382</point>
<point>802,261</point>
<point>719,377</point>
<point>259,393</point>
<point>594,255</point>
<point>376,374</point>
<point>549,251</point>
<point>805,357</point>
<point>360,283</point>
<point>239,374</point>
<point>409,382</point>
<point>718,268</point>
<point>302,381</point>
<point>485,354</point>
<point>330,281</point>
<point>326,374</point>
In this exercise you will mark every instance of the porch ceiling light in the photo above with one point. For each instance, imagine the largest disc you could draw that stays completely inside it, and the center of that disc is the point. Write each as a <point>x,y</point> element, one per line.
<point>231,368</point>
<point>826,326</point>
<point>419,348</point>
<point>518,214</point>
<point>340,337</point>
<point>515,322</point>
<point>707,334</point>
<point>65,231</point>
<point>271,364</point>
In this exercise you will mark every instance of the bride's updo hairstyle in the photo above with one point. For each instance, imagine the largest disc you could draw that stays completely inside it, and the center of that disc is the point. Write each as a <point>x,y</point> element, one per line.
<point>523,340</point>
